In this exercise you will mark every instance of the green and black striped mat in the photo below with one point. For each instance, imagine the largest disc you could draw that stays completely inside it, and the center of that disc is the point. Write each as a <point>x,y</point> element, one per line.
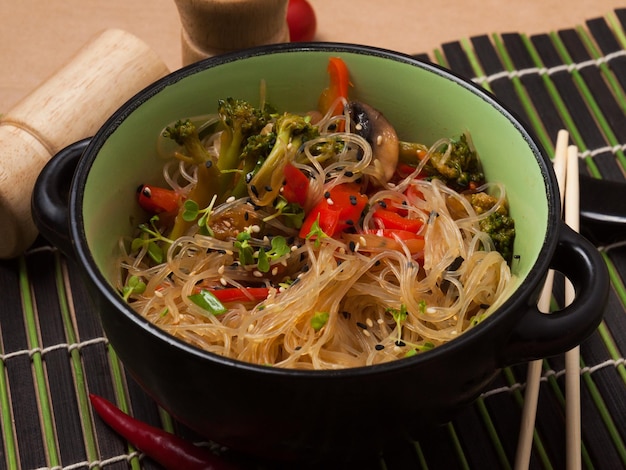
<point>53,353</point>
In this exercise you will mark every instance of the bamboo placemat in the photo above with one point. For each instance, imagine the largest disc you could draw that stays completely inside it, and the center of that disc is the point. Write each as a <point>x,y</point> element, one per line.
<point>53,352</point>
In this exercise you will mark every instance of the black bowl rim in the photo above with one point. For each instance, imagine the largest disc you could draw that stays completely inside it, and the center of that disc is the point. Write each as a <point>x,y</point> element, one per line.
<point>519,301</point>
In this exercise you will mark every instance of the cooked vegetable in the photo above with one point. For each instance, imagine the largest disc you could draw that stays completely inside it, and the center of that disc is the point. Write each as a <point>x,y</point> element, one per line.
<point>338,87</point>
<point>340,209</point>
<point>156,200</point>
<point>185,133</point>
<point>291,131</point>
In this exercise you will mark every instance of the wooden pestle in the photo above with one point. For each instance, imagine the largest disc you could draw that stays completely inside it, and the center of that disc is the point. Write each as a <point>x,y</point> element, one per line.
<point>69,106</point>
<point>213,27</point>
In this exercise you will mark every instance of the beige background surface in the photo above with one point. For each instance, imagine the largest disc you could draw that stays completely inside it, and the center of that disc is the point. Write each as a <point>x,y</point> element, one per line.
<point>38,36</point>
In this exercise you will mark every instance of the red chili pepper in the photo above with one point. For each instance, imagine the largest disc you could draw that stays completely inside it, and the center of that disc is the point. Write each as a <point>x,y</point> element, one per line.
<point>296,185</point>
<point>156,200</point>
<point>165,448</point>
<point>338,86</point>
<point>341,208</point>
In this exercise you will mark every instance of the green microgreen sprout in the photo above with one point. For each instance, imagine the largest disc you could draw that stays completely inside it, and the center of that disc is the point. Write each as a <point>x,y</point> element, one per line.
<point>192,211</point>
<point>292,213</point>
<point>242,245</point>
<point>150,238</point>
<point>279,248</point>
<point>317,232</point>
<point>319,320</point>
<point>134,285</point>
<point>399,316</point>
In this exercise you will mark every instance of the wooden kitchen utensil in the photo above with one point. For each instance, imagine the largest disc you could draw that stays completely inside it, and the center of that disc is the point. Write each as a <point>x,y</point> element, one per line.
<point>69,106</point>
<point>212,27</point>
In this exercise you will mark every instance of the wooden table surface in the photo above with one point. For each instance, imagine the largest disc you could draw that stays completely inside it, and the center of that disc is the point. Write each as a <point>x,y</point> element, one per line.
<point>38,37</point>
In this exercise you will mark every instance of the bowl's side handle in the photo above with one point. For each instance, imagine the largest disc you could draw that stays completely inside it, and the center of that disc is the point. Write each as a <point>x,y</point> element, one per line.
<point>49,202</point>
<point>539,335</point>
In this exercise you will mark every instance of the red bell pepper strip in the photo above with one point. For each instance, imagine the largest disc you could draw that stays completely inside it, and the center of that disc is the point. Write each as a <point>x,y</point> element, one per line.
<point>390,219</point>
<point>338,87</point>
<point>387,239</point>
<point>246,294</point>
<point>171,451</point>
<point>340,209</point>
<point>156,200</point>
<point>296,185</point>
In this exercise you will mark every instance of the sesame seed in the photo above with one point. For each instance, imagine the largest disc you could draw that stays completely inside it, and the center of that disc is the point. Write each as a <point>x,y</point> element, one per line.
<point>369,322</point>
<point>366,333</point>
<point>349,174</point>
<point>254,190</point>
<point>327,194</point>
<point>382,204</point>
<point>431,310</point>
<point>362,240</point>
<point>358,127</point>
<point>289,146</point>
<point>147,192</point>
<point>380,321</point>
<point>227,224</point>
<point>274,271</point>
<point>208,164</point>
<point>353,200</point>
<point>297,348</point>
<point>255,228</point>
<point>351,245</point>
<point>400,343</point>
<point>221,269</point>
<point>379,347</point>
<point>268,188</point>
<point>231,199</point>
<point>223,281</point>
<point>294,247</point>
<point>379,139</point>
<point>158,293</point>
<point>246,216</point>
<point>256,273</point>
<point>361,325</point>
<point>250,327</point>
<point>330,201</point>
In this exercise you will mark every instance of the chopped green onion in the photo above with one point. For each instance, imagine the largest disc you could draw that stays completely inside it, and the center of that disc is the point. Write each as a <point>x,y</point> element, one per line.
<point>319,320</point>
<point>207,301</point>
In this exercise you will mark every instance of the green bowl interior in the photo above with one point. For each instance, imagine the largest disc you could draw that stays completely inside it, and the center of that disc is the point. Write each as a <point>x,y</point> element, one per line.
<point>422,105</point>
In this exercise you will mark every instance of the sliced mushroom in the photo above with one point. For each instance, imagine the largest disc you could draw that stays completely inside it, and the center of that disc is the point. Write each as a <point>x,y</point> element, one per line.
<point>370,124</point>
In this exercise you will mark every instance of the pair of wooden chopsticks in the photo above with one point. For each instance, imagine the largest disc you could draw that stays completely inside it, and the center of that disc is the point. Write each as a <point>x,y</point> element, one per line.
<point>566,169</point>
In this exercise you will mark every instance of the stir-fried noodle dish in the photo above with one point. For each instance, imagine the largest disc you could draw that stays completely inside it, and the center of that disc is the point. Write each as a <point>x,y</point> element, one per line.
<point>316,239</point>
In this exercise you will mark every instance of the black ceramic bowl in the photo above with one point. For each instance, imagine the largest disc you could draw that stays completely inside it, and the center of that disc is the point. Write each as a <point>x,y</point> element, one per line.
<point>282,413</point>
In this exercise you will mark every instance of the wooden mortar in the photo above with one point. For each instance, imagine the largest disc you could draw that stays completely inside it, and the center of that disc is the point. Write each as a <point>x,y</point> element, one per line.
<point>213,27</point>
<point>69,106</point>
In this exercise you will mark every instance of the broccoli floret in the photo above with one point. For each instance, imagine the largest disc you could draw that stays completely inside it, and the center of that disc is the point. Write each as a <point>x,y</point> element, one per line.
<point>184,133</point>
<point>328,148</point>
<point>499,225</point>
<point>458,165</point>
<point>240,121</point>
<point>254,153</point>
<point>501,228</point>
<point>291,130</point>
